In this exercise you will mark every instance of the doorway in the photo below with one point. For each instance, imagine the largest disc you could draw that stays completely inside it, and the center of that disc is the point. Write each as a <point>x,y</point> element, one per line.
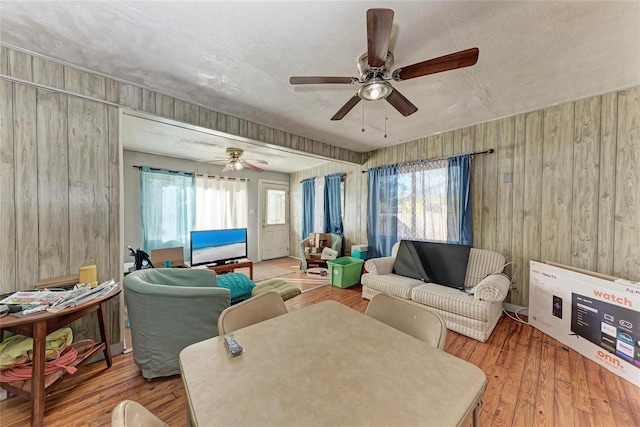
<point>274,219</point>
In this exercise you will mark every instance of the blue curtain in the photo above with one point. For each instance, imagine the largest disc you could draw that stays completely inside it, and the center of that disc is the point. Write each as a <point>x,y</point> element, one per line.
<point>308,197</point>
<point>459,225</point>
<point>168,209</point>
<point>332,204</point>
<point>382,207</point>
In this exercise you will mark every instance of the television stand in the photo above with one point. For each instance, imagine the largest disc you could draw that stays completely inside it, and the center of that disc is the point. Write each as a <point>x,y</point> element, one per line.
<point>231,267</point>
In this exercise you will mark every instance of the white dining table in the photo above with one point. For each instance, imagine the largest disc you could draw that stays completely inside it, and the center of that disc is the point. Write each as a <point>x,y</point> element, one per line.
<point>330,365</point>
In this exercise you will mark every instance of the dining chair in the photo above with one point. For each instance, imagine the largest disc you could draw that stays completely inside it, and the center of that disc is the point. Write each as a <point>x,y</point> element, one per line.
<point>132,414</point>
<point>254,310</point>
<point>420,323</point>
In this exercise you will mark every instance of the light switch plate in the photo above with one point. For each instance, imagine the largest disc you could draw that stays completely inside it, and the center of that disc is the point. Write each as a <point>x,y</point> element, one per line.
<point>508,177</point>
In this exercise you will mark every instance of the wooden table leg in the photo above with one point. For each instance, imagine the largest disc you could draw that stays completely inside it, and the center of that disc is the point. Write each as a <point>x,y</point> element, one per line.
<point>104,333</point>
<point>476,415</point>
<point>37,376</point>
<point>251,270</point>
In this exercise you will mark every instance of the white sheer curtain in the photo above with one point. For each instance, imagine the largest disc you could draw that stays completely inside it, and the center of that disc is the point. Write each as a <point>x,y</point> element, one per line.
<point>318,215</point>
<point>221,203</point>
<point>167,208</point>
<point>422,200</point>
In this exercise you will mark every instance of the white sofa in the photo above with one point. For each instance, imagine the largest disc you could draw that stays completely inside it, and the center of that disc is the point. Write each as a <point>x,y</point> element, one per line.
<point>474,315</point>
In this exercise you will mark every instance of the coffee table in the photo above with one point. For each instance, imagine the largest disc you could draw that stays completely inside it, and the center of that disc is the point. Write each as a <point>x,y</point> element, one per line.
<point>231,267</point>
<point>328,365</point>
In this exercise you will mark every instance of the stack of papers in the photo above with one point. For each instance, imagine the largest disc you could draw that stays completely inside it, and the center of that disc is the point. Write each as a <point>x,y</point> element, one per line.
<point>32,302</point>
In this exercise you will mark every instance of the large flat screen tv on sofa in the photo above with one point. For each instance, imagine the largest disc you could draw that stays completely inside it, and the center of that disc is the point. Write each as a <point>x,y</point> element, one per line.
<point>218,247</point>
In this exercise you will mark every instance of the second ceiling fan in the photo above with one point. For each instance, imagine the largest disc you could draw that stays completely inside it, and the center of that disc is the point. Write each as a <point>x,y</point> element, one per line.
<point>375,66</point>
<point>235,162</point>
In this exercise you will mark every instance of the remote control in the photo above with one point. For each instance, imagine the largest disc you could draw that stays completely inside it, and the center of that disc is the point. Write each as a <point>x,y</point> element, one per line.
<point>233,346</point>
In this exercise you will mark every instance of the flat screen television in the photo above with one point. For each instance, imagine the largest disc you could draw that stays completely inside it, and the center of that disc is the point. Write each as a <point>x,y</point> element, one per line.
<point>218,247</point>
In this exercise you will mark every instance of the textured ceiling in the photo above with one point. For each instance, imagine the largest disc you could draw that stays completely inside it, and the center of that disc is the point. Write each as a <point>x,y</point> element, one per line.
<point>237,57</point>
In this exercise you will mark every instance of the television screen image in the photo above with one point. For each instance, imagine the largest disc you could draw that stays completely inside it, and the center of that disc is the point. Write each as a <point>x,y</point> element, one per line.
<point>218,246</point>
<point>613,328</point>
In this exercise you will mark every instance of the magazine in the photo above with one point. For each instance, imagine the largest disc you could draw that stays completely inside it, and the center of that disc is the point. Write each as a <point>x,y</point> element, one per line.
<point>32,302</point>
<point>33,297</point>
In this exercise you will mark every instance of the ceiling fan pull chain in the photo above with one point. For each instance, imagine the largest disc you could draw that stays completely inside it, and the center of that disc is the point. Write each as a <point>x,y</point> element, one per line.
<point>385,120</point>
<point>363,117</point>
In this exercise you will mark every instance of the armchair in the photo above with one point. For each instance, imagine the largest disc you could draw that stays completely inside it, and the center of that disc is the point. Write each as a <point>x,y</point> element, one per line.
<point>170,309</point>
<point>336,244</point>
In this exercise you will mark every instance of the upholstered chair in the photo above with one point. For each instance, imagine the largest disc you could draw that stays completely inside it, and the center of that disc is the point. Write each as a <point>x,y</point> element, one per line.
<point>336,245</point>
<point>170,309</point>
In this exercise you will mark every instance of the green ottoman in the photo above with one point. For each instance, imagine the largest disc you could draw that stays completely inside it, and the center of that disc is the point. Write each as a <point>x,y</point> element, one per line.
<point>284,289</point>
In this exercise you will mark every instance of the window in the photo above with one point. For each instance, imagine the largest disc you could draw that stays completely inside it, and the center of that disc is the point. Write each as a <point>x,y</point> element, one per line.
<point>342,202</point>
<point>323,204</point>
<point>221,203</point>
<point>175,203</point>
<point>422,201</point>
<point>276,208</point>
<point>428,200</point>
<point>167,200</point>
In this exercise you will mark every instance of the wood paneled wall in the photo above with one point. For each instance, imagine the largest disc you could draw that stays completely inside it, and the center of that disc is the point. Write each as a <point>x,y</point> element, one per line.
<point>60,191</point>
<point>59,76</point>
<point>574,197</point>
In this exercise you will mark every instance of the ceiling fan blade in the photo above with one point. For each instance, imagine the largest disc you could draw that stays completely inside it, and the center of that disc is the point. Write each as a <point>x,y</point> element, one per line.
<point>464,58</point>
<point>400,103</point>
<point>250,166</point>
<point>346,107</point>
<point>259,161</point>
<point>311,80</point>
<point>379,25</point>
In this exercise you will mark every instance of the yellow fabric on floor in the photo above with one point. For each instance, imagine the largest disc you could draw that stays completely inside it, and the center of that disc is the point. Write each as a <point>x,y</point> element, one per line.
<point>17,348</point>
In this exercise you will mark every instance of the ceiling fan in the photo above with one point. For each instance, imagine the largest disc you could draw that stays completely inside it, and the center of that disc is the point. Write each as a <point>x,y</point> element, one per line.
<point>375,65</point>
<point>235,162</point>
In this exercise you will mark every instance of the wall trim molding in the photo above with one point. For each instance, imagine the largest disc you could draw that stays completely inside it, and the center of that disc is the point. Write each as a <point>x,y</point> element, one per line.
<point>244,128</point>
<point>55,89</point>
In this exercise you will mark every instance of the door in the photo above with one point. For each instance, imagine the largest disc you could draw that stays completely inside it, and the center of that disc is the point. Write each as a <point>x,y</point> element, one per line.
<point>275,219</point>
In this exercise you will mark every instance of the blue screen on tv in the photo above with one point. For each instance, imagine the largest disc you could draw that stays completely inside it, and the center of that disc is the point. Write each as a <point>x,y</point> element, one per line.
<point>218,246</point>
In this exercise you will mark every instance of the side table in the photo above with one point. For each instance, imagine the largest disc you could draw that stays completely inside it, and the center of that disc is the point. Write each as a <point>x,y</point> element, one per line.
<point>37,326</point>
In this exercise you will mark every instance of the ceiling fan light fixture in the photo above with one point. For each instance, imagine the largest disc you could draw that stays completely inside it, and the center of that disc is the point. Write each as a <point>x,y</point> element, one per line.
<point>236,164</point>
<point>375,90</point>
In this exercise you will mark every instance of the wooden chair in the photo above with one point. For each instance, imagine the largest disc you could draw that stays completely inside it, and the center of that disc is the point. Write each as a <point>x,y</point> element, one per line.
<point>132,414</point>
<point>254,310</point>
<point>420,323</point>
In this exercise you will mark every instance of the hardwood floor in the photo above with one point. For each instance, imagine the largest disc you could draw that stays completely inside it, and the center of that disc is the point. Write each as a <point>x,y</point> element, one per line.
<point>533,380</point>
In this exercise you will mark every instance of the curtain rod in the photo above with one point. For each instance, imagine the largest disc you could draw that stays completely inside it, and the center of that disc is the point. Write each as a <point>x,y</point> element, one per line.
<point>342,176</point>
<point>233,178</point>
<point>159,169</point>
<point>477,153</point>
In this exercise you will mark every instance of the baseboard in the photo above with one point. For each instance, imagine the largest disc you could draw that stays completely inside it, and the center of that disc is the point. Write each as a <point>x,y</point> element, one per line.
<point>513,308</point>
<point>117,348</point>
